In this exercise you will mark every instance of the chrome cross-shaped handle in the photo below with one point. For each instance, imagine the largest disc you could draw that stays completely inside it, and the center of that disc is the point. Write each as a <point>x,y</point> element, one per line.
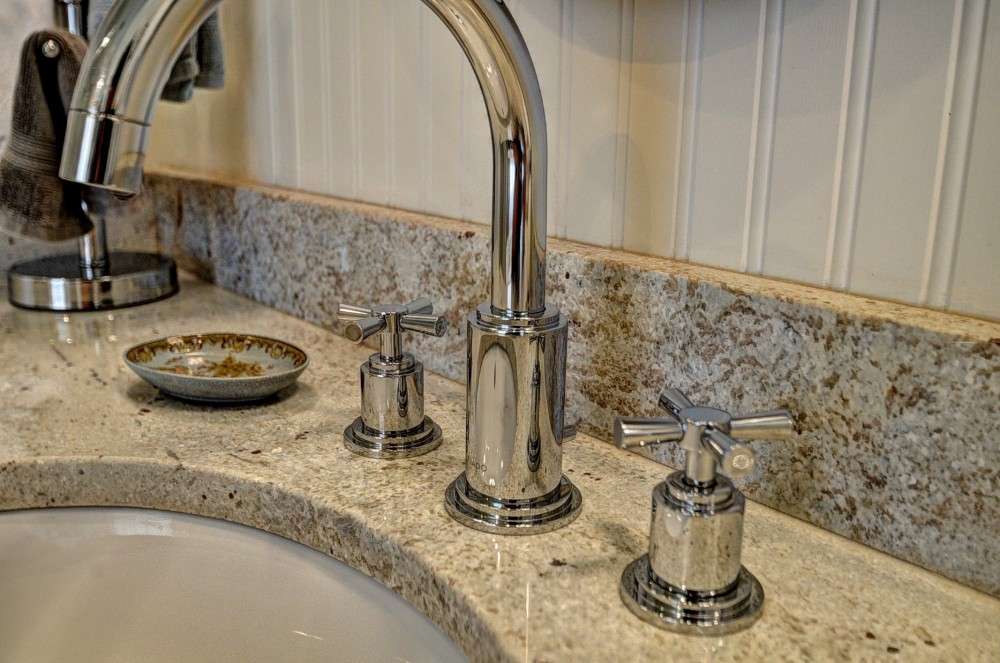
<point>390,321</point>
<point>706,434</point>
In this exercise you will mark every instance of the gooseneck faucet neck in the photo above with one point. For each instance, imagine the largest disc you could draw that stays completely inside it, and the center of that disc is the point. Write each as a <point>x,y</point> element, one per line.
<point>129,61</point>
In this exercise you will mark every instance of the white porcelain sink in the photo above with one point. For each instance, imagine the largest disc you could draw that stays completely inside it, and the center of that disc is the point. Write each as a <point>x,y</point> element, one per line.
<point>137,585</point>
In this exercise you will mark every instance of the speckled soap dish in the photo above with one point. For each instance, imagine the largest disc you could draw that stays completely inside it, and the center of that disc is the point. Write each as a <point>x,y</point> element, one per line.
<point>217,367</point>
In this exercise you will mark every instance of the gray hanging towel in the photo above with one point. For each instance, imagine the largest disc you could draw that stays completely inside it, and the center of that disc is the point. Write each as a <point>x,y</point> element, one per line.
<point>199,64</point>
<point>34,202</point>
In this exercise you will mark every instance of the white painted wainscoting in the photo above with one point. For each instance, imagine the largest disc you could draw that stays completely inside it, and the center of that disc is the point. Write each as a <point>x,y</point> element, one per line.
<point>850,144</point>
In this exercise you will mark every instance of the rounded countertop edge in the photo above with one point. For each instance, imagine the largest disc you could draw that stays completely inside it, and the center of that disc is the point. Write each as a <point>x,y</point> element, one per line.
<point>47,482</point>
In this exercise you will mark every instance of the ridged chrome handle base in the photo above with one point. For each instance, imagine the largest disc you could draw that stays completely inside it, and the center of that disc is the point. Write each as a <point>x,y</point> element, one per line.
<point>690,613</point>
<point>365,441</point>
<point>499,516</point>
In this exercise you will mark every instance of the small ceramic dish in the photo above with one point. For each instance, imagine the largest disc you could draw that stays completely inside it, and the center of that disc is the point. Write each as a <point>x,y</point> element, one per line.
<point>218,367</point>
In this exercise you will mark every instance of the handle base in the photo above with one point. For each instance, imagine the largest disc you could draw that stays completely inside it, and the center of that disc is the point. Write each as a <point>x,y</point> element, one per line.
<point>363,441</point>
<point>690,613</point>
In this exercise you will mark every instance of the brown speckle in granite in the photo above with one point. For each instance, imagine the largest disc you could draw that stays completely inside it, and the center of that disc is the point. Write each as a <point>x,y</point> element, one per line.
<point>869,635</point>
<point>831,381</point>
<point>892,650</point>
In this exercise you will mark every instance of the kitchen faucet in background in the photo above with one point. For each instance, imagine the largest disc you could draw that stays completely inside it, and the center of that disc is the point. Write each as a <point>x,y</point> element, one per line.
<point>94,277</point>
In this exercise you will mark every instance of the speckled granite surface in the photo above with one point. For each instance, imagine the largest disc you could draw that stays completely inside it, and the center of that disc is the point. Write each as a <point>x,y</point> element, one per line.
<point>78,428</point>
<point>895,405</point>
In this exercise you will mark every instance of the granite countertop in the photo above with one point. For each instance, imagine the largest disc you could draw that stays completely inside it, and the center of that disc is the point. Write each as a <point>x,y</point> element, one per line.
<point>78,428</point>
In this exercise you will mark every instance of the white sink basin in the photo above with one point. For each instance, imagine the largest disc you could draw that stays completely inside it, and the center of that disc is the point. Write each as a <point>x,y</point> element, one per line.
<point>137,585</point>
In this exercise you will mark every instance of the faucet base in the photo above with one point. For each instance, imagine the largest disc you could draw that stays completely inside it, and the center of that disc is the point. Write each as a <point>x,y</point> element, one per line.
<point>58,283</point>
<point>691,613</point>
<point>425,438</point>
<point>515,517</point>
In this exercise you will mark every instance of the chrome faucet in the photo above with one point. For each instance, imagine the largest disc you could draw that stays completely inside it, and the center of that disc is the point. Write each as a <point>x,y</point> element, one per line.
<point>392,422</point>
<point>513,480</point>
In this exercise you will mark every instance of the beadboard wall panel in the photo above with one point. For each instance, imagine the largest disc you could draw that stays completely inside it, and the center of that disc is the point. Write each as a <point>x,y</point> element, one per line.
<point>657,78</point>
<point>848,171</point>
<point>908,85</point>
<point>842,143</point>
<point>807,120</point>
<point>725,131</point>
<point>970,281</point>
<point>310,132</point>
<point>599,32</point>
<point>228,131</point>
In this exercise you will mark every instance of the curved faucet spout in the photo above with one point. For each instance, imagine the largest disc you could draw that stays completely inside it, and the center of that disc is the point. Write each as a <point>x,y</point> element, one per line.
<point>127,67</point>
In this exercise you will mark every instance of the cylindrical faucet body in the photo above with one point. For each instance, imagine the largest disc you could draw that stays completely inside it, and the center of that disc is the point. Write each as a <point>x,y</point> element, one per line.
<point>696,535</point>
<point>392,395</point>
<point>516,391</point>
